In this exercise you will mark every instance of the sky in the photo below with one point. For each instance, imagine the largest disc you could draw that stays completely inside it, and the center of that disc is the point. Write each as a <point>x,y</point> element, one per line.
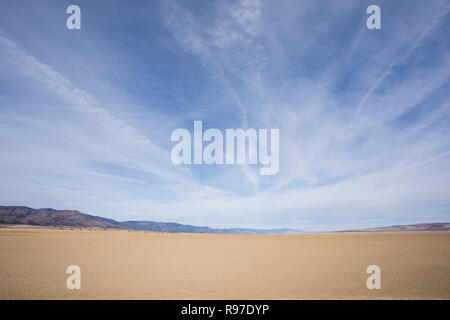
<point>363,115</point>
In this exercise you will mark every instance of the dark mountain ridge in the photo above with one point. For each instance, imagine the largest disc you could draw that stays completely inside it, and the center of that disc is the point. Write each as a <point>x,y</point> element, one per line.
<point>48,217</point>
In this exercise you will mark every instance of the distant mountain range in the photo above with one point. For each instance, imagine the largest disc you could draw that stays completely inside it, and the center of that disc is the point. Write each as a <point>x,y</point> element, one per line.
<point>17,215</point>
<point>436,226</point>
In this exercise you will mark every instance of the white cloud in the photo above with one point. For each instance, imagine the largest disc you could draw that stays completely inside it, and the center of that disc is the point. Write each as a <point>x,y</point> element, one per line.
<point>345,159</point>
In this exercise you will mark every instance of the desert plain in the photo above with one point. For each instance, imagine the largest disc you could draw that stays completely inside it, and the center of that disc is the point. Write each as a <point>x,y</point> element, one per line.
<point>150,265</point>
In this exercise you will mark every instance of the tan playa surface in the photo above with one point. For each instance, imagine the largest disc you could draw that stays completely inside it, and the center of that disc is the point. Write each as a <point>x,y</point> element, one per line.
<point>145,265</point>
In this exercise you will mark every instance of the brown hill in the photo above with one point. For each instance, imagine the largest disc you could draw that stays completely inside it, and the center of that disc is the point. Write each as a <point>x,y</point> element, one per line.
<point>437,226</point>
<point>53,218</point>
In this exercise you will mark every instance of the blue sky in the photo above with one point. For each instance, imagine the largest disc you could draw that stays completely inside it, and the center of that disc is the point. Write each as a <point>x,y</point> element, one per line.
<point>364,115</point>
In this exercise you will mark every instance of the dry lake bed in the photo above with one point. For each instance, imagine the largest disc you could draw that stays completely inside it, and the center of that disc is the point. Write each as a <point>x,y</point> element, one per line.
<point>147,265</point>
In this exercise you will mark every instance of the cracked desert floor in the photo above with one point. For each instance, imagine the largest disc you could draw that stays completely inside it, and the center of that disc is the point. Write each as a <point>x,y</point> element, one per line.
<point>146,265</point>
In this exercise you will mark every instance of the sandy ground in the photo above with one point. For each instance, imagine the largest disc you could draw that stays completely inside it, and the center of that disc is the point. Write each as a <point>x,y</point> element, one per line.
<point>145,265</point>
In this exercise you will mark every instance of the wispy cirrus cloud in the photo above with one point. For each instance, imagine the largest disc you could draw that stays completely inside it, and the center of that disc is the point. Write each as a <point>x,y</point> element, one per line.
<point>363,115</point>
